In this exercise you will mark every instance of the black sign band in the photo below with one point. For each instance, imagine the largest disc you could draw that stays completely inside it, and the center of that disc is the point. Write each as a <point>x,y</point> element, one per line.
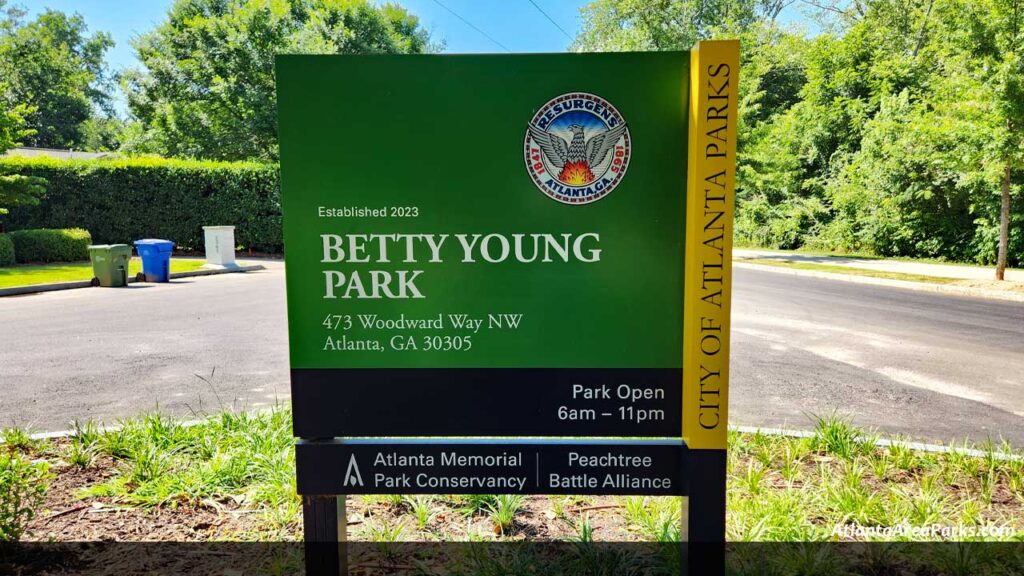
<point>643,467</point>
<point>589,402</point>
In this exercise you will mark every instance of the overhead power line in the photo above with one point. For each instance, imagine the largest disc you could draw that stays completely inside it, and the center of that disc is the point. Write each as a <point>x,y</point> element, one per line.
<point>471,25</point>
<point>552,20</point>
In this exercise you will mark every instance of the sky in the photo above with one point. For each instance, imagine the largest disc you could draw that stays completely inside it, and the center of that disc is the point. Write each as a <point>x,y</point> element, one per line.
<point>509,25</point>
<point>473,26</point>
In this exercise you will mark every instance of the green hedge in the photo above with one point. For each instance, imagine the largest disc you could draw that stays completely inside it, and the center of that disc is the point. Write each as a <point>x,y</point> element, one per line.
<point>6,250</point>
<point>49,245</point>
<point>122,200</point>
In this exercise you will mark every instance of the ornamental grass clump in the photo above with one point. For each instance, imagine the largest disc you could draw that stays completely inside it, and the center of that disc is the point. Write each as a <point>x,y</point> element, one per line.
<point>23,486</point>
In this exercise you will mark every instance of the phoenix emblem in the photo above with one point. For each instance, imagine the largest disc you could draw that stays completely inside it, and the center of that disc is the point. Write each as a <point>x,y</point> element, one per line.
<point>575,158</point>
<point>577,148</point>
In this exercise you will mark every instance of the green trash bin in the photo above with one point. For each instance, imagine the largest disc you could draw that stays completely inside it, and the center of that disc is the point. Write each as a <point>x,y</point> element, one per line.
<point>110,264</point>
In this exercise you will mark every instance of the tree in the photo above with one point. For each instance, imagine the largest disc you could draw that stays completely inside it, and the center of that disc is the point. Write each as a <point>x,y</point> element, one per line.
<point>907,192</point>
<point>984,81</point>
<point>803,163</point>
<point>773,75</point>
<point>51,65</point>
<point>207,89</point>
<point>16,190</point>
<point>12,126</point>
<point>634,25</point>
<point>103,133</point>
<point>898,129</point>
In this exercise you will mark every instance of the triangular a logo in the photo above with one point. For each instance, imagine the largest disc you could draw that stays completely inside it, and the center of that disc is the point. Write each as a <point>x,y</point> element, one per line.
<point>352,475</point>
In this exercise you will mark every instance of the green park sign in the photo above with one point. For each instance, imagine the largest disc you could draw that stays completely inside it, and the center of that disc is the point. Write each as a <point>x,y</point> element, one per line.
<point>505,247</point>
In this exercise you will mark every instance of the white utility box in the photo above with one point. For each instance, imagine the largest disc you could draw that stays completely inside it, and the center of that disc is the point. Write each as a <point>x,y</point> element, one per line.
<point>220,246</point>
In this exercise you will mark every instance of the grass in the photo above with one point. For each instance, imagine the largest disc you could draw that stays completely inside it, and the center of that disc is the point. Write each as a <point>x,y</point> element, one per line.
<point>19,439</point>
<point>850,270</point>
<point>810,252</point>
<point>865,256</point>
<point>422,509</point>
<point>472,504</point>
<point>28,274</point>
<point>839,478</point>
<point>843,269</point>
<point>238,457</point>
<point>22,491</point>
<point>780,488</point>
<point>503,511</point>
<point>82,447</point>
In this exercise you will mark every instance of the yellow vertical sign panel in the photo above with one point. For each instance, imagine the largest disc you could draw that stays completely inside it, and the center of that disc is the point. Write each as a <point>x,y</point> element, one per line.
<point>711,191</point>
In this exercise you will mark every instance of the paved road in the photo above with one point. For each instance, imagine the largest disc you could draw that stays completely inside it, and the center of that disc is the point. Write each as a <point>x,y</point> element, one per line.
<point>105,353</point>
<point>933,366</point>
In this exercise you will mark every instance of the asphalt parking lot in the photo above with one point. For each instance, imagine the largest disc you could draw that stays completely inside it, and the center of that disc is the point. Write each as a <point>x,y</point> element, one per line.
<point>935,367</point>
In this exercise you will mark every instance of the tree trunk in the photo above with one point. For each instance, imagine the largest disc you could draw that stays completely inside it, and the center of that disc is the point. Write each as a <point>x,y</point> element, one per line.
<point>1004,225</point>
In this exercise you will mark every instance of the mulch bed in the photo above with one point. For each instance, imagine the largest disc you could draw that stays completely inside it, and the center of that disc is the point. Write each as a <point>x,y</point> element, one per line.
<point>66,517</point>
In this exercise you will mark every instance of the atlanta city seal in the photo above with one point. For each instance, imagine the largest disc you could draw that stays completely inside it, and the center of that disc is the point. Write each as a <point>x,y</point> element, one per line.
<point>577,148</point>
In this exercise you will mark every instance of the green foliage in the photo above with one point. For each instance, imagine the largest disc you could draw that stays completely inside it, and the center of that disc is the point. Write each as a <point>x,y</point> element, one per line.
<point>889,132</point>
<point>913,136</point>
<point>22,489</point>
<point>502,511</point>
<point>641,25</point>
<point>55,70</point>
<point>925,178</point>
<point>472,504</point>
<point>835,435</point>
<point>18,438</point>
<point>77,271</point>
<point>120,201</point>
<point>15,190</point>
<point>18,190</point>
<point>422,508</point>
<point>12,123</point>
<point>6,250</point>
<point>656,518</point>
<point>103,134</point>
<point>248,459</point>
<point>237,455</point>
<point>585,532</point>
<point>83,446</point>
<point>840,478</point>
<point>49,245</point>
<point>903,193</point>
<point>207,87</point>
<point>772,139</point>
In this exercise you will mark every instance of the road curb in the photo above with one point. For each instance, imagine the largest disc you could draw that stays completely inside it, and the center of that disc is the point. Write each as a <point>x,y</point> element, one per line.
<point>35,288</point>
<point>769,431</point>
<point>907,284</point>
<point>215,271</point>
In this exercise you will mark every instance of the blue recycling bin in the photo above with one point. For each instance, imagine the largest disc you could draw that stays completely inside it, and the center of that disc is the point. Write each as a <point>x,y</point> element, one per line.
<point>156,259</point>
